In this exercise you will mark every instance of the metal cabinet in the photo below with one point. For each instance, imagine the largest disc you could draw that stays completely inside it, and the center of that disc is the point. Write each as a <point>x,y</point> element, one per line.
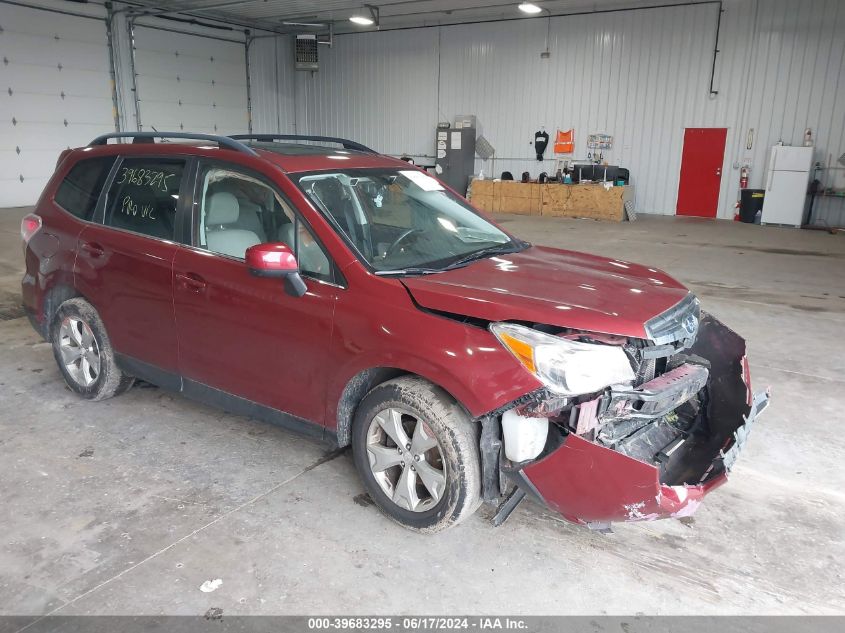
<point>455,157</point>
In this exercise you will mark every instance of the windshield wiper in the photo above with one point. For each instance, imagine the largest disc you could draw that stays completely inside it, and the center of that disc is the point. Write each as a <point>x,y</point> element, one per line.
<point>410,271</point>
<point>499,249</point>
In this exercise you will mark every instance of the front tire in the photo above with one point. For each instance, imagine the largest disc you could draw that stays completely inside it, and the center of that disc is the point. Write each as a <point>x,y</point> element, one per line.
<point>417,453</point>
<point>84,353</point>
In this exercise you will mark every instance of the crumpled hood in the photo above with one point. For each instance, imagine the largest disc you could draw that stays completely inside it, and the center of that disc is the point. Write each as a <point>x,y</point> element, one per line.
<point>552,286</point>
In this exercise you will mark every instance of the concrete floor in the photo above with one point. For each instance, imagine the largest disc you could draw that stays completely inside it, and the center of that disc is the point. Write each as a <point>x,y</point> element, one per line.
<point>128,506</point>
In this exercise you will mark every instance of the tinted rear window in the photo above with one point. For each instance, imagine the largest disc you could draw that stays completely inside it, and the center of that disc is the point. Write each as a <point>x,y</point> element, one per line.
<point>80,190</point>
<point>143,196</point>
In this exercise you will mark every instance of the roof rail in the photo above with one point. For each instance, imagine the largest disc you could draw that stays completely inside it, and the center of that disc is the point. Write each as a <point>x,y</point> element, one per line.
<point>226,142</point>
<point>346,143</point>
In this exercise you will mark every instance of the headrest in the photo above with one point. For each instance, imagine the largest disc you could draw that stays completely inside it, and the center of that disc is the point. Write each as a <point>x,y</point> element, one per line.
<point>223,208</point>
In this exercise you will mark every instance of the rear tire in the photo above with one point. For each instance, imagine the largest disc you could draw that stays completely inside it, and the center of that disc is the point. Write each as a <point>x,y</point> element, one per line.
<point>417,453</point>
<point>84,353</point>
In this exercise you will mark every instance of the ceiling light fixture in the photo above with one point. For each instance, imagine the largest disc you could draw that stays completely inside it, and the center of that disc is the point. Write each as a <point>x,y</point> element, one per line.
<point>529,7</point>
<point>367,20</point>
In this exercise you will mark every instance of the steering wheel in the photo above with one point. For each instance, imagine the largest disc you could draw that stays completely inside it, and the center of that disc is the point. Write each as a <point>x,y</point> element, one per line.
<point>398,241</point>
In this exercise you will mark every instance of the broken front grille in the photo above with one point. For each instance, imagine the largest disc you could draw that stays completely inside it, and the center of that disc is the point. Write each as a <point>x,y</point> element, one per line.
<point>678,323</point>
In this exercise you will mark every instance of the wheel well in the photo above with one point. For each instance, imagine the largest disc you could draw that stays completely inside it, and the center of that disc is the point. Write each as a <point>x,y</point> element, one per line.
<point>358,387</point>
<point>55,297</point>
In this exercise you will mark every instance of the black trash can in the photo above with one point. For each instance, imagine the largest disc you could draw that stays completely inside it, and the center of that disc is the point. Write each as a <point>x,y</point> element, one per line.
<point>750,202</point>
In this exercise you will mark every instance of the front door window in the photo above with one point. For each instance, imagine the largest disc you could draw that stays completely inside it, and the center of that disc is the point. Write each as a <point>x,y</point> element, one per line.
<point>237,210</point>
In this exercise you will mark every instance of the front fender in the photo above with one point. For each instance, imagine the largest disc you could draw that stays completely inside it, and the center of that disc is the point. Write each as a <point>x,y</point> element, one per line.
<point>465,360</point>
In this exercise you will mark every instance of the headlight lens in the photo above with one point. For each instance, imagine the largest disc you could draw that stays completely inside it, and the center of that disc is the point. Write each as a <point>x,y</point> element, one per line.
<point>566,367</point>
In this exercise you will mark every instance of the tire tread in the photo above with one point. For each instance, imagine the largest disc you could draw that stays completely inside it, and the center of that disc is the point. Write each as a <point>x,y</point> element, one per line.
<point>112,380</point>
<point>463,455</point>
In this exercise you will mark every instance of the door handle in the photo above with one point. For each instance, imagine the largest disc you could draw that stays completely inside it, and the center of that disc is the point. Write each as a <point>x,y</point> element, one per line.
<point>93,249</point>
<point>192,282</point>
<point>719,172</point>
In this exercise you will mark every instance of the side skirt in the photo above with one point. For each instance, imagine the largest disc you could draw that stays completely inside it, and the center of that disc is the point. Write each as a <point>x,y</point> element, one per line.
<point>222,400</point>
<point>149,373</point>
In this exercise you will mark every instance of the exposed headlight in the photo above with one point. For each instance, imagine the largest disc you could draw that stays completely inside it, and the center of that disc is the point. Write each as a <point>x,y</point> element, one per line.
<point>566,367</point>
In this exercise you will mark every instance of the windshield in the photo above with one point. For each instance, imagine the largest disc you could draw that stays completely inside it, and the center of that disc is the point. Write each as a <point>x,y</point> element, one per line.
<point>401,220</point>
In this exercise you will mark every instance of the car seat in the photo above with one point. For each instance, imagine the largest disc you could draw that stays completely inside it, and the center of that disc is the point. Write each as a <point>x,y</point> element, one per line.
<point>249,218</point>
<point>221,232</point>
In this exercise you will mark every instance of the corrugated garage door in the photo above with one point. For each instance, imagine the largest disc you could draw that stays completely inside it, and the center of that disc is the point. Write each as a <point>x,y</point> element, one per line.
<point>190,83</point>
<point>55,92</point>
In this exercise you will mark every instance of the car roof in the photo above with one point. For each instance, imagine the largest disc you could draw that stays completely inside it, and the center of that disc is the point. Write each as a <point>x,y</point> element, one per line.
<point>296,157</point>
<point>296,149</point>
<point>299,157</point>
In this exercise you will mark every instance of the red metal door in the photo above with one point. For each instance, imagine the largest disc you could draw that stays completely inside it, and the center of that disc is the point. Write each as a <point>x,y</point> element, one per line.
<point>701,171</point>
<point>246,336</point>
<point>128,278</point>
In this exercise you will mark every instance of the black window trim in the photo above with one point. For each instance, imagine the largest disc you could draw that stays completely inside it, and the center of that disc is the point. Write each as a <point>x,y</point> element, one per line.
<point>184,195</point>
<point>338,280</point>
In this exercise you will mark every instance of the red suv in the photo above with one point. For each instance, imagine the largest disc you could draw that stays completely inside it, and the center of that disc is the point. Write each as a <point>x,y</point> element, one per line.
<point>353,297</point>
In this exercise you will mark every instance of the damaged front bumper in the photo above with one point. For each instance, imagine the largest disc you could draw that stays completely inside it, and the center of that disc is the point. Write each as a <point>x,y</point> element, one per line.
<point>631,459</point>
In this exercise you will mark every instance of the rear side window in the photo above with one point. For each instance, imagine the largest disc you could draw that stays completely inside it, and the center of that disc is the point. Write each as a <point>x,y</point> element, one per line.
<point>144,196</point>
<point>80,189</point>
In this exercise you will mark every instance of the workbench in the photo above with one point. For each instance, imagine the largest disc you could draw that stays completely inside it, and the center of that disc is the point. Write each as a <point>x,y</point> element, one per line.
<point>594,200</point>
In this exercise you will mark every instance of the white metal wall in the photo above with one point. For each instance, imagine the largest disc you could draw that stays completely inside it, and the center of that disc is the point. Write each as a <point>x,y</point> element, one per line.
<point>56,93</point>
<point>379,88</point>
<point>797,80</point>
<point>642,76</point>
<point>190,83</point>
<point>272,84</point>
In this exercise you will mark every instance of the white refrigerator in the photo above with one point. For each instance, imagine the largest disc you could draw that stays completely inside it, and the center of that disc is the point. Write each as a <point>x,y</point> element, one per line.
<point>787,178</point>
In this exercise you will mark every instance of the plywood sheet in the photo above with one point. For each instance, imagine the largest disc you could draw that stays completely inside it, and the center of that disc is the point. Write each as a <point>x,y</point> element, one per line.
<point>485,203</point>
<point>522,206</point>
<point>583,201</point>
<point>512,189</point>
<point>555,200</point>
<point>482,188</point>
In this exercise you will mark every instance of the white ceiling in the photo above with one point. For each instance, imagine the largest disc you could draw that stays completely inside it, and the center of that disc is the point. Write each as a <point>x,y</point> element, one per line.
<point>393,13</point>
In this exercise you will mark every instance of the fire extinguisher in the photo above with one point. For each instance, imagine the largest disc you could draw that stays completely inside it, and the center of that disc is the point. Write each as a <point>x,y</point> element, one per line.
<point>743,177</point>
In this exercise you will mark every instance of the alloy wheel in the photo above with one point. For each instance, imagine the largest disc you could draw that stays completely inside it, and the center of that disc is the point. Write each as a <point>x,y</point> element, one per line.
<point>80,352</point>
<point>406,460</point>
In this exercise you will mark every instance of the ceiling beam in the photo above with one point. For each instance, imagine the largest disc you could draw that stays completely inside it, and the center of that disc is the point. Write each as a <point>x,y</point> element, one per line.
<point>155,11</point>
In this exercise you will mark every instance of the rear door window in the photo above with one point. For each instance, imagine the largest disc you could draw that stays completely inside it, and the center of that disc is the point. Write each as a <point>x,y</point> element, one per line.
<point>80,189</point>
<point>144,196</point>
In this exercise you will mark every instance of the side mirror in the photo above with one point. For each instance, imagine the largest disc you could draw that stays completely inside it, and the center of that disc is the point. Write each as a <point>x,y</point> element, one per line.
<point>276,260</point>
